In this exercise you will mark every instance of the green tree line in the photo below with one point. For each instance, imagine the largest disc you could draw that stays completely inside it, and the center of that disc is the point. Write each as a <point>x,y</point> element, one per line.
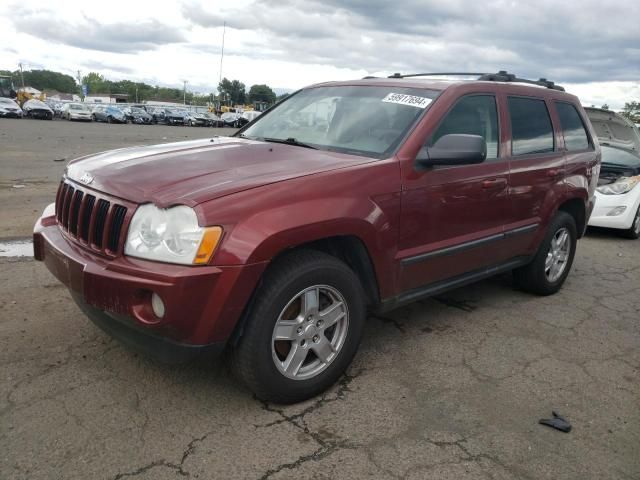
<point>43,79</point>
<point>231,92</point>
<point>631,110</point>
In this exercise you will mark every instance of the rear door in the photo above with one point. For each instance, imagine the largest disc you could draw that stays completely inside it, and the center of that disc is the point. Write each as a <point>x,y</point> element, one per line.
<point>536,171</point>
<point>452,217</point>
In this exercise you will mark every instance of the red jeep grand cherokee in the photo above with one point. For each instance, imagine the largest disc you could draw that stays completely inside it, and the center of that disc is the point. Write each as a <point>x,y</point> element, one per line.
<point>345,197</point>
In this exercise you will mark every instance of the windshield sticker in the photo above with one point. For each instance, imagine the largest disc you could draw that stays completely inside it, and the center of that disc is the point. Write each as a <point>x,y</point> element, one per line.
<point>409,100</point>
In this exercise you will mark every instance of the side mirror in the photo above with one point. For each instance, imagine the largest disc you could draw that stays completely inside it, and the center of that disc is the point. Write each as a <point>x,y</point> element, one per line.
<point>453,149</point>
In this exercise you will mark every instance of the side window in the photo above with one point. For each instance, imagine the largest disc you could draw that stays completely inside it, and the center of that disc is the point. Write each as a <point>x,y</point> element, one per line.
<point>575,135</point>
<point>531,129</point>
<point>473,115</point>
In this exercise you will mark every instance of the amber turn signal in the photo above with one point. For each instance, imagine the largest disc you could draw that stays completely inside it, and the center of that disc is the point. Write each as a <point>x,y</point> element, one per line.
<point>210,240</point>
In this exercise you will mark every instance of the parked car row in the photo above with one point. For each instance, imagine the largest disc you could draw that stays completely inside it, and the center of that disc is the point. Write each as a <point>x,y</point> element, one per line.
<point>31,108</point>
<point>138,114</point>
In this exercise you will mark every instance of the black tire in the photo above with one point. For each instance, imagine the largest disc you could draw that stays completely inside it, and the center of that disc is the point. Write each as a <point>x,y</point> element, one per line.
<point>252,358</point>
<point>633,233</point>
<point>532,277</point>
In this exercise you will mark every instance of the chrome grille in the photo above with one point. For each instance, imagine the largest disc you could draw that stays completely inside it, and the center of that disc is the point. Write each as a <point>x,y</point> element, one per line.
<point>93,221</point>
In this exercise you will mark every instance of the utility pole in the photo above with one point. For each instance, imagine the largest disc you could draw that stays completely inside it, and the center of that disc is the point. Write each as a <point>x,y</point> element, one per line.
<point>224,29</point>
<point>80,84</point>
<point>21,75</point>
<point>184,93</point>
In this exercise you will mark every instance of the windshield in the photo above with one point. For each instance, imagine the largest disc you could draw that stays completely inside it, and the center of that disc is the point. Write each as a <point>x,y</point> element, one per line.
<point>363,120</point>
<point>137,110</point>
<point>618,156</point>
<point>77,107</point>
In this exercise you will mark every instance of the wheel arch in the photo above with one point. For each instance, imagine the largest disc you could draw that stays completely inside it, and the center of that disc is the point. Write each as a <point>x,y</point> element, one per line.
<point>578,210</point>
<point>349,248</point>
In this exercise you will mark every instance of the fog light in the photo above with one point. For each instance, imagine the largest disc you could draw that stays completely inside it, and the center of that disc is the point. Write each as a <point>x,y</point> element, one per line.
<point>616,211</point>
<point>157,305</point>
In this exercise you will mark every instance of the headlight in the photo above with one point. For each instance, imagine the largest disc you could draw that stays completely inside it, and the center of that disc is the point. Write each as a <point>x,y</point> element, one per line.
<point>170,235</point>
<point>619,187</point>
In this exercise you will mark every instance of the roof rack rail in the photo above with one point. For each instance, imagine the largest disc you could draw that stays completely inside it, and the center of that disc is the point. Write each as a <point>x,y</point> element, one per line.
<point>442,74</point>
<point>504,76</point>
<point>501,76</point>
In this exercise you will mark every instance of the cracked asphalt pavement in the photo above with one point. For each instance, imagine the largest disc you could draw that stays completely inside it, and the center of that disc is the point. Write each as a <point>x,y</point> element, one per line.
<point>447,388</point>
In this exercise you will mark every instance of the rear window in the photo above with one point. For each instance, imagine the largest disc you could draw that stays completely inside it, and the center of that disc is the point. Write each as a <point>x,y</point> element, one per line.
<point>575,135</point>
<point>531,129</point>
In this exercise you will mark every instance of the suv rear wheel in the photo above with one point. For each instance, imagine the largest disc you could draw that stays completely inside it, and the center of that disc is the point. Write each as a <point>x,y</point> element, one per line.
<point>303,328</point>
<point>550,266</point>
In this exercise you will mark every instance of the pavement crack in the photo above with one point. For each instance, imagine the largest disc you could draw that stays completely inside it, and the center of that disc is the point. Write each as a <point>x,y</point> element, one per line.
<point>327,397</point>
<point>327,445</point>
<point>316,455</point>
<point>146,468</point>
<point>177,467</point>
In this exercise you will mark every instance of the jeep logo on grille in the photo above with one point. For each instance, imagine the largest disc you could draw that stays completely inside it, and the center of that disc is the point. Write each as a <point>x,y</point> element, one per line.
<point>86,178</point>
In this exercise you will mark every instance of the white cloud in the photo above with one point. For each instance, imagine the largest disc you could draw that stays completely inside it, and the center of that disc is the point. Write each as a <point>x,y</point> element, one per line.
<point>589,47</point>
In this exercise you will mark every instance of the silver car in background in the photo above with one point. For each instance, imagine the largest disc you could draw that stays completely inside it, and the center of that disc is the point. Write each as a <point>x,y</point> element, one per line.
<point>76,111</point>
<point>9,108</point>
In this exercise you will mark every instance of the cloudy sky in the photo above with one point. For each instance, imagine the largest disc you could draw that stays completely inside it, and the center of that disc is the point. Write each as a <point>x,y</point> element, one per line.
<point>591,47</point>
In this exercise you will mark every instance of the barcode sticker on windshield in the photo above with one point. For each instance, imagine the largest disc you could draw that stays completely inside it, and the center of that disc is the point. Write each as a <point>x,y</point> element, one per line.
<point>410,100</point>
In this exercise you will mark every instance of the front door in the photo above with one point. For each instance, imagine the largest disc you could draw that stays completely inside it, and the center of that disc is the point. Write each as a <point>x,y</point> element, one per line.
<point>452,219</point>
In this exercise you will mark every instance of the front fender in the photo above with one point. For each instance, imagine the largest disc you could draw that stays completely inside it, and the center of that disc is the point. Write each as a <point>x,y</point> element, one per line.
<point>364,202</point>
<point>268,234</point>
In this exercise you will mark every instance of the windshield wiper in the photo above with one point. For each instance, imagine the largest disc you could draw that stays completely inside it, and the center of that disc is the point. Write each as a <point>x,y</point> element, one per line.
<point>288,141</point>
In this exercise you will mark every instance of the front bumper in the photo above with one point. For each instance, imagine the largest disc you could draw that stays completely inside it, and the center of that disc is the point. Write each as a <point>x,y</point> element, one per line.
<point>86,118</point>
<point>202,304</point>
<point>175,121</point>
<point>40,114</point>
<point>605,204</point>
<point>10,114</point>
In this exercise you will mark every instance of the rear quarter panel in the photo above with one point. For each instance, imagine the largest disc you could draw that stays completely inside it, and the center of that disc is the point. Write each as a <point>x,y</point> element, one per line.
<point>582,168</point>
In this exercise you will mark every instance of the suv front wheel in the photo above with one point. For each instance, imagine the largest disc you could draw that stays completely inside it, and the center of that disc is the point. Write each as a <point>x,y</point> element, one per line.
<point>551,265</point>
<point>303,329</point>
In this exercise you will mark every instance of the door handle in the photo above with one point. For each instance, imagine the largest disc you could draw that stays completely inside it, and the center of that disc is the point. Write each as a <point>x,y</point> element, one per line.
<point>494,183</point>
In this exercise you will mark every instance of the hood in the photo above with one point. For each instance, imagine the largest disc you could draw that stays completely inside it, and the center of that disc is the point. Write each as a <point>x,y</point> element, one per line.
<point>34,104</point>
<point>614,129</point>
<point>196,171</point>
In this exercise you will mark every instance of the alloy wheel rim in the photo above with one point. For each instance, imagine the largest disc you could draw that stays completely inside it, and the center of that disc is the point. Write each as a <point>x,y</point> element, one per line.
<point>558,255</point>
<point>310,332</point>
<point>636,222</point>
